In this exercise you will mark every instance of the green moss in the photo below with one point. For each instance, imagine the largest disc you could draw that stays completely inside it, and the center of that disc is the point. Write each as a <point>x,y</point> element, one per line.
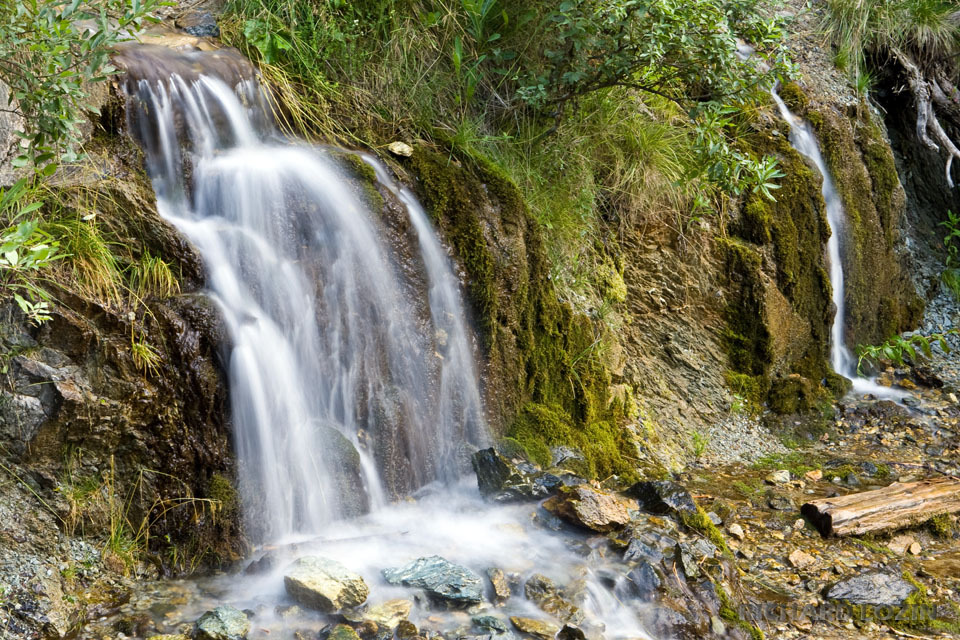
<point>793,394</point>
<point>746,338</point>
<point>538,428</point>
<point>221,490</point>
<point>728,612</point>
<point>550,358</point>
<point>700,521</point>
<point>453,202</point>
<point>881,300</point>
<point>612,286</point>
<point>941,525</point>
<point>365,178</point>
<point>794,97</point>
<point>752,388</point>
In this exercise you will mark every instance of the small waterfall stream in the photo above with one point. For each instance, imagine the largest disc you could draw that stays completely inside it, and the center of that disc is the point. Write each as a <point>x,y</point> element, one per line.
<point>347,390</point>
<point>328,357</point>
<point>842,359</point>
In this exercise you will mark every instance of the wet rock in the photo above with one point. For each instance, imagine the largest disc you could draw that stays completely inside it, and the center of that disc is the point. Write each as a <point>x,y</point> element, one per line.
<point>490,623</point>
<point>877,588</point>
<point>199,23</point>
<point>638,550</point>
<point>570,632</point>
<point>263,564</point>
<point>223,623</point>
<point>663,496</point>
<point>442,580</point>
<point>406,630</point>
<point>590,508</point>
<point>503,481</point>
<point>542,591</point>
<point>690,554</point>
<point>643,582</point>
<point>780,502</point>
<point>560,456</point>
<point>386,614</point>
<point>537,628</point>
<point>343,632</point>
<point>736,531</point>
<point>320,583</point>
<point>500,584</point>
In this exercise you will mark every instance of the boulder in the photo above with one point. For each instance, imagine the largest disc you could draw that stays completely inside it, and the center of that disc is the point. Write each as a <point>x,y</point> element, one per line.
<point>500,584</point>
<point>390,613</point>
<point>877,588</point>
<point>590,508</point>
<point>223,623</point>
<point>442,580</point>
<point>663,497</point>
<point>343,632</point>
<point>537,628</point>
<point>501,480</point>
<point>542,591</point>
<point>320,583</point>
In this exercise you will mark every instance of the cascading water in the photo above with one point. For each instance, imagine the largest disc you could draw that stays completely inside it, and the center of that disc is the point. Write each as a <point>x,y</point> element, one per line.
<point>333,358</point>
<point>459,402</point>
<point>804,140</point>
<point>328,357</point>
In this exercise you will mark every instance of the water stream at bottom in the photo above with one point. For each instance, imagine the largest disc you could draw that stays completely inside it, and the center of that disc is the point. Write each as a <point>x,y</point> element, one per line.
<point>451,521</point>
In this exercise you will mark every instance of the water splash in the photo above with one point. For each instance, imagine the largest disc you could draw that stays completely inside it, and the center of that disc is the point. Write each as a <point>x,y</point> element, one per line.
<point>843,361</point>
<point>338,397</point>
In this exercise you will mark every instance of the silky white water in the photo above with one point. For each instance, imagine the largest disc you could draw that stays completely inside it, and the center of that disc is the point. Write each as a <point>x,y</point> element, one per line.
<point>842,359</point>
<point>333,357</point>
<point>329,357</point>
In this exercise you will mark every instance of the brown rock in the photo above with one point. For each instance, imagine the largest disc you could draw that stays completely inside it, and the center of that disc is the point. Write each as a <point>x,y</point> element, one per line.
<point>800,559</point>
<point>590,508</point>
<point>813,476</point>
<point>501,587</point>
<point>537,628</point>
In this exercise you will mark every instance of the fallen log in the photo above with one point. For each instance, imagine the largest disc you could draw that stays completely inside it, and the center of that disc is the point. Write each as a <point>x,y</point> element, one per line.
<point>894,507</point>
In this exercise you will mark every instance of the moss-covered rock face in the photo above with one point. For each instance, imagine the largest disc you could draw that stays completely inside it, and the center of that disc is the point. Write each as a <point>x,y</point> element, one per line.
<point>779,311</point>
<point>547,382</point>
<point>880,298</point>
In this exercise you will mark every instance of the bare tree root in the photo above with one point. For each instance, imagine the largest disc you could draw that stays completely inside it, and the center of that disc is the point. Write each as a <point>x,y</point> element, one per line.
<point>927,93</point>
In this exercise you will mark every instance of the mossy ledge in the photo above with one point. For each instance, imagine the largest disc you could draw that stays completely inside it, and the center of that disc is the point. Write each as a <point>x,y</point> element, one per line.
<point>547,383</point>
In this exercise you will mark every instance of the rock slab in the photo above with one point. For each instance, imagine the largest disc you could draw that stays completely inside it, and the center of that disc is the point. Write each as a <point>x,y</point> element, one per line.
<point>320,583</point>
<point>663,497</point>
<point>876,588</point>
<point>223,623</point>
<point>441,579</point>
<point>590,508</point>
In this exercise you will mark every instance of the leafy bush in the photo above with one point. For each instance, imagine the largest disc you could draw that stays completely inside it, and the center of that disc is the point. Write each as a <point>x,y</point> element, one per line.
<point>25,252</point>
<point>900,350</point>
<point>491,78</point>
<point>49,51</point>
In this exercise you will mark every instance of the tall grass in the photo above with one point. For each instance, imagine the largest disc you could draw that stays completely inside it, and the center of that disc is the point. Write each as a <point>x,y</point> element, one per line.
<point>929,29</point>
<point>426,70</point>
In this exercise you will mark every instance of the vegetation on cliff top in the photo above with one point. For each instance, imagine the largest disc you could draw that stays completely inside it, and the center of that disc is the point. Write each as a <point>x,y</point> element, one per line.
<point>606,113</point>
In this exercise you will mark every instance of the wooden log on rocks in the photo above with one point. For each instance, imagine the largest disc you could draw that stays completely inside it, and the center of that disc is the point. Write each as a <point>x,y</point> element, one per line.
<point>893,507</point>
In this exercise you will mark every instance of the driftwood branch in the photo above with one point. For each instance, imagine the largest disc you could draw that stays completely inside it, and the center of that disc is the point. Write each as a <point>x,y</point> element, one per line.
<point>894,507</point>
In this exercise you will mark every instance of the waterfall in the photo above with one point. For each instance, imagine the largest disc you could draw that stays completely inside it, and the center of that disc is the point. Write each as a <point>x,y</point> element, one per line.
<point>842,359</point>
<point>342,392</point>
